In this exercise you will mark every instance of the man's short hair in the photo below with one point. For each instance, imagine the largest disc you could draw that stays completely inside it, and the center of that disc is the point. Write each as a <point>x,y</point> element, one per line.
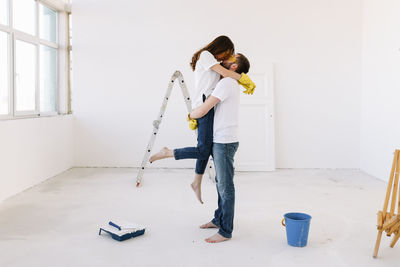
<point>243,64</point>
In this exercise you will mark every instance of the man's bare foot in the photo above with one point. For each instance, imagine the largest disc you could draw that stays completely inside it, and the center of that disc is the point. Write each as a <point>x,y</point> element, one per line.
<point>208,225</point>
<point>197,190</point>
<point>162,154</point>
<point>216,238</point>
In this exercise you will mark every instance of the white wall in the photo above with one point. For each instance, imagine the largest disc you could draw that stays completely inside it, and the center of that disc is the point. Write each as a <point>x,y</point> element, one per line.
<point>125,52</point>
<point>380,134</point>
<point>33,150</point>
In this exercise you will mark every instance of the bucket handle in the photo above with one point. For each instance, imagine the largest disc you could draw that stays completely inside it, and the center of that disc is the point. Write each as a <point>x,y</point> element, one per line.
<point>282,222</point>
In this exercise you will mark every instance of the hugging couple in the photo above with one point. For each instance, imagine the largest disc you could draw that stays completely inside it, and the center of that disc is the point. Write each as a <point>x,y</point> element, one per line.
<point>218,74</point>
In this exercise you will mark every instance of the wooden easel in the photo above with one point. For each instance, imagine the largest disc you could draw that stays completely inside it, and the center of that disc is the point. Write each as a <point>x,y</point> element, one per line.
<point>388,221</point>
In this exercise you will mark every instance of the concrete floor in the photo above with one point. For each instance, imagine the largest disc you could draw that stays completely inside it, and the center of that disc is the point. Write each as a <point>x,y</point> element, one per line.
<point>56,223</point>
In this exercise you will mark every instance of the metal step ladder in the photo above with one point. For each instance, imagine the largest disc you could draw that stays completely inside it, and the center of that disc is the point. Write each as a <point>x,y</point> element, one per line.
<point>156,124</point>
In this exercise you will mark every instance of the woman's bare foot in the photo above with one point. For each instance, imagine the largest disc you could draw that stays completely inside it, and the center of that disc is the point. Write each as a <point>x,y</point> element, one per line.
<point>216,238</point>
<point>162,154</point>
<point>196,186</point>
<point>208,225</point>
<point>197,190</point>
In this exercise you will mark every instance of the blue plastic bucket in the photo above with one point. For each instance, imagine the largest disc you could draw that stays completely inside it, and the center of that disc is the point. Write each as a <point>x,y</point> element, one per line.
<point>297,227</point>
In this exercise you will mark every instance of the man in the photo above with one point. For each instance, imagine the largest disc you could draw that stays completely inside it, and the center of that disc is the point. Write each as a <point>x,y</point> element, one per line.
<point>225,98</point>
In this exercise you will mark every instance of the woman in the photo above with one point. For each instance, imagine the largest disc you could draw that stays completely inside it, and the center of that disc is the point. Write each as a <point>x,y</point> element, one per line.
<point>207,71</point>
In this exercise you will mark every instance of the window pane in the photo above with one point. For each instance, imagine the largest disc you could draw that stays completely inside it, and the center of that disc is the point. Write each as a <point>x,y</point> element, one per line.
<point>25,76</point>
<point>4,12</point>
<point>24,15</point>
<point>48,79</point>
<point>48,18</point>
<point>4,78</point>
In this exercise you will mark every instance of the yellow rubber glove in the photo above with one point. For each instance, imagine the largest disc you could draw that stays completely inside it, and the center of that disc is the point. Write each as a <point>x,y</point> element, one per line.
<point>247,83</point>
<point>192,123</point>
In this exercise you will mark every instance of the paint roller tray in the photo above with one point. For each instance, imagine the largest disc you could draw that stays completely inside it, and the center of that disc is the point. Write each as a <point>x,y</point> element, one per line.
<point>122,231</point>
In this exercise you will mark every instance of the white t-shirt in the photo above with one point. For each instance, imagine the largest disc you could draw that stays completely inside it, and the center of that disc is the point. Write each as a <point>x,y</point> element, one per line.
<point>226,117</point>
<point>205,79</point>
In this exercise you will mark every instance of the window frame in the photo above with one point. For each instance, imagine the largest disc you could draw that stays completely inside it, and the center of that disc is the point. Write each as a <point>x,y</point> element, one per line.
<point>62,83</point>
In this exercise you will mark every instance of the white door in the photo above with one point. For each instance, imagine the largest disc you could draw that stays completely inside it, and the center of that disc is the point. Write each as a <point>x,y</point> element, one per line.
<point>256,125</point>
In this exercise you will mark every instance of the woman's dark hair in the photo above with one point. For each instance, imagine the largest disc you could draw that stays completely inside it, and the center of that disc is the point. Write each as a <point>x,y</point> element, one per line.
<point>217,46</point>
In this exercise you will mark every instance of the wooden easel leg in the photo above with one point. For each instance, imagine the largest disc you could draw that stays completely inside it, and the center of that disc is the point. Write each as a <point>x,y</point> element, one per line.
<point>378,242</point>
<point>396,237</point>
<point>394,175</point>
<point>395,186</point>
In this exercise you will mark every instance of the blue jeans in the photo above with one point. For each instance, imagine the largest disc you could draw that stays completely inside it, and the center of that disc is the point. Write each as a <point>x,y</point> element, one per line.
<point>223,155</point>
<point>202,152</point>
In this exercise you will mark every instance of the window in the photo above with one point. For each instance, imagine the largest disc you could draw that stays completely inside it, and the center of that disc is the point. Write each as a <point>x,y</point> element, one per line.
<point>34,52</point>
<point>4,12</point>
<point>25,78</point>
<point>48,79</point>
<point>4,74</point>
<point>48,23</point>
<point>24,15</point>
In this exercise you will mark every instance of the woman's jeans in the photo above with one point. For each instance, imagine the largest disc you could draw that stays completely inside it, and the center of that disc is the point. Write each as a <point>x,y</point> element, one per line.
<point>223,155</point>
<point>203,150</point>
